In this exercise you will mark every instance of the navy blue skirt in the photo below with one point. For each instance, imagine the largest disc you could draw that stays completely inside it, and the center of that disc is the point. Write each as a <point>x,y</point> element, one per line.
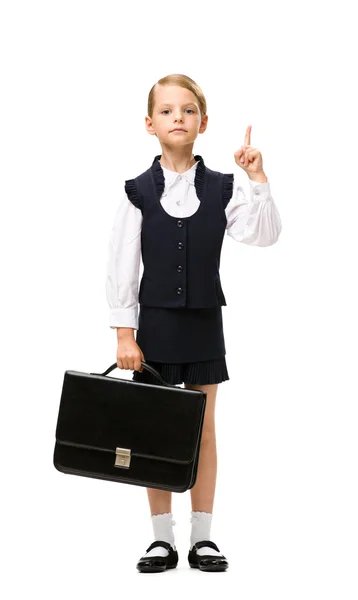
<point>200,372</point>
<point>183,345</point>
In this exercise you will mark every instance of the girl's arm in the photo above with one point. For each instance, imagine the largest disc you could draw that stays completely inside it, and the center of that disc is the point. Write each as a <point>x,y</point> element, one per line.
<point>256,222</point>
<point>124,252</point>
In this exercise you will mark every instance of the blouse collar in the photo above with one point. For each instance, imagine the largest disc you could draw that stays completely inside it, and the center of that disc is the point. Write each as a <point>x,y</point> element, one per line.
<point>164,178</point>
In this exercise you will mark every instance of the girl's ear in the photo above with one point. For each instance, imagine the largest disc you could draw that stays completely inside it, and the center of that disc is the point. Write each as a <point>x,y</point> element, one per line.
<point>203,124</point>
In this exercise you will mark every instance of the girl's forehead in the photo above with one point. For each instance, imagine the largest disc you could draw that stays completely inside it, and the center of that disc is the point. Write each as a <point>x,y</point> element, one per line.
<point>172,94</point>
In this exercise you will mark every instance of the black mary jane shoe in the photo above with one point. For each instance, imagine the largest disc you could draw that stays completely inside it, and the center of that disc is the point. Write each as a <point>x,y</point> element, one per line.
<point>207,562</point>
<point>156,564</point>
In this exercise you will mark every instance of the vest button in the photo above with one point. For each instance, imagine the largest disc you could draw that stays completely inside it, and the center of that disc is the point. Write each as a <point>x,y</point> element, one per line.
<point>180,223</point>
<point>179,268</point>
<point>180,245</point>
<point>179,290</point>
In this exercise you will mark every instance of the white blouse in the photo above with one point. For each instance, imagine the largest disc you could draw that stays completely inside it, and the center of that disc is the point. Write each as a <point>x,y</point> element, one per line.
<point>256,222</point>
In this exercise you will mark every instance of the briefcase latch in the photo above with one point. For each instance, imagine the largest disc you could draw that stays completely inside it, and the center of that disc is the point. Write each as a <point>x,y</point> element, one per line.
<point>123,457</point>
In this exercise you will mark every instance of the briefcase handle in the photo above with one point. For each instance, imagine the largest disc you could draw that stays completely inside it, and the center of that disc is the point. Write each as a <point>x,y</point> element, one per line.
<point>146,366</point>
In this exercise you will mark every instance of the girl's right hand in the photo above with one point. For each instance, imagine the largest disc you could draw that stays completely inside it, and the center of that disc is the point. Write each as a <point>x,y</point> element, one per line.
<point>129,355</point>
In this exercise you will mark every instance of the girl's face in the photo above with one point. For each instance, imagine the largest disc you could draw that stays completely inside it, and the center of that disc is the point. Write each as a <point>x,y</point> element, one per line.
<point>175,107</point>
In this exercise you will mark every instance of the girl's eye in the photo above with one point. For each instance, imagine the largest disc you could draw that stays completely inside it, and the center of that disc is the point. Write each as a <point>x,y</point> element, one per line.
<point>166,110</point>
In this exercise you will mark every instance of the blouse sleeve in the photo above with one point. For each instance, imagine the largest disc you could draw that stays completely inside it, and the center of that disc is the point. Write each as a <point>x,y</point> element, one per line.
<point>256,221</point>
<point>124,252</point>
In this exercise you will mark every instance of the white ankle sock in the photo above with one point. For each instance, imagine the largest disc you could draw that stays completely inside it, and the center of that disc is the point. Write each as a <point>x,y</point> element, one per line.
<point>200,530</point>
<point>163,530</point>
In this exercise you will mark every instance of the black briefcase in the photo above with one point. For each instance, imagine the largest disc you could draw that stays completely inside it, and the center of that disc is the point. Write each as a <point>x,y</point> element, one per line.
<point>130,432</point>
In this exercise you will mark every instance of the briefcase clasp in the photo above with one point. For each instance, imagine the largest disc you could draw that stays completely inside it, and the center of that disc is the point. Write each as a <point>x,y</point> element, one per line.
<point>123,457</point>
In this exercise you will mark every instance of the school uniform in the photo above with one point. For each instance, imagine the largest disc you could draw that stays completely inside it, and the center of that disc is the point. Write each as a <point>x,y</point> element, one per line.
<point>176,223</point>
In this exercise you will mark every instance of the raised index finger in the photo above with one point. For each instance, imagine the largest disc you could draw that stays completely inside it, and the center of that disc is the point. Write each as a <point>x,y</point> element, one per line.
<point>247,135</point>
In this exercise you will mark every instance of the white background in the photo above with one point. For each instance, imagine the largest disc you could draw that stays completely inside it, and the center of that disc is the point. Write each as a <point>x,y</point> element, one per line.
<point>75,79</point>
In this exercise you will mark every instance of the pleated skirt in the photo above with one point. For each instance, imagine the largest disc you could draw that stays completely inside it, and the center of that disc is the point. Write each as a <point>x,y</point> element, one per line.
<point>183,345</point>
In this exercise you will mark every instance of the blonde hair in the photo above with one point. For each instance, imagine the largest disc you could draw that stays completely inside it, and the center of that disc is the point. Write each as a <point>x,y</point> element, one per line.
<point>182,81</point>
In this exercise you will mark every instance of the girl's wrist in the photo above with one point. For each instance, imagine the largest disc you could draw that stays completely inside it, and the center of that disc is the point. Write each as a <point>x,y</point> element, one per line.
<point>124,332</point>
<point>259,178</point>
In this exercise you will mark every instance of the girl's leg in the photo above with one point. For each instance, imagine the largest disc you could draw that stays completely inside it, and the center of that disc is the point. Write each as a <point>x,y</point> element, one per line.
<point>160,501</point>
<point>160,507</point>
<point>203,491</point>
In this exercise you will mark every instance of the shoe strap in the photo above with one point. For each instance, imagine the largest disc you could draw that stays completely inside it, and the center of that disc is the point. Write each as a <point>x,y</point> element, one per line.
<point>203,543</point>
<point>160,543</point>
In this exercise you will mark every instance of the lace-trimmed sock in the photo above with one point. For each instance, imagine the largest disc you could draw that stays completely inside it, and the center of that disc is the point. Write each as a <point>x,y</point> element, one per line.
<point>200,530</point>
<point>163,530</point>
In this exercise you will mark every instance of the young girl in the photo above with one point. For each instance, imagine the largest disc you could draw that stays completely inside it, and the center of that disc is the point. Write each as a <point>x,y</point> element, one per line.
<point>175,215</point>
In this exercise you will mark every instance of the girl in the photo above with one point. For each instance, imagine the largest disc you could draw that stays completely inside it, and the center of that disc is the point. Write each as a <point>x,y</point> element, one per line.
<point>175,215</point>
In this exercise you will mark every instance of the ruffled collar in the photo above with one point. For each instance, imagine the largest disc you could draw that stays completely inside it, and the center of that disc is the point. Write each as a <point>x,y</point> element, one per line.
<point>159,178</point>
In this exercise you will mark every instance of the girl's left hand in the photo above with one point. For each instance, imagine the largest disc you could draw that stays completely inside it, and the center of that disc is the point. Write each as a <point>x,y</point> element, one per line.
<point>247,157</point>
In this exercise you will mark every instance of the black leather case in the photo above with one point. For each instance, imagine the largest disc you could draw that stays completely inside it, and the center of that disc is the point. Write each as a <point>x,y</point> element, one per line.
<point>130,432</point>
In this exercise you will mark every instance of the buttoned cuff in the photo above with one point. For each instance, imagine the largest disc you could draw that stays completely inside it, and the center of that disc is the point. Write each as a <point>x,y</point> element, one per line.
<point>123,317</point>
<point>260,191</point>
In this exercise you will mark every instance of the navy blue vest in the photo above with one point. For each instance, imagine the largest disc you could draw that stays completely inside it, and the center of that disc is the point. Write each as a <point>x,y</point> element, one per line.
<point>181,256</point>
